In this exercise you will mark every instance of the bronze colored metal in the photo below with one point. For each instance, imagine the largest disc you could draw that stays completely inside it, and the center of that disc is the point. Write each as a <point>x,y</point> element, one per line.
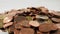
<point>46,27</point>
<point>27,31</point>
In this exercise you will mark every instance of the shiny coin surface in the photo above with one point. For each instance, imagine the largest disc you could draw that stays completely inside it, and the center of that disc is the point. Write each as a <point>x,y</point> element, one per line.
<point>34,23</point>
<point>7,19</point>
<point>42,17</point>
<point>56,20</point>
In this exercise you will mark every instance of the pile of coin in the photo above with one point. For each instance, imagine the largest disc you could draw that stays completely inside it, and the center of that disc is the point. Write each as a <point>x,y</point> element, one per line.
<point>31,20</point>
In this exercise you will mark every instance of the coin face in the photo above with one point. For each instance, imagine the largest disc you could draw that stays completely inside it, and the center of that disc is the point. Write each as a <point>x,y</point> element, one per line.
<point>58,25</point>
<point>27,31</point>
<point>34,23</point>
<point>44,10</point>
<point>7,24</point>
<point>22,21</point>
<point>46,27</point>
<point>18,26</point>
<point>25,23</point>
<point>56,13</point>
<point>7,19</point>
<point>56,20</point>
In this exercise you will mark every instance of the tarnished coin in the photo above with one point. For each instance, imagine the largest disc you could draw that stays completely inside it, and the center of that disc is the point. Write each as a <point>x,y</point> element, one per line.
<point>1,20</point>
